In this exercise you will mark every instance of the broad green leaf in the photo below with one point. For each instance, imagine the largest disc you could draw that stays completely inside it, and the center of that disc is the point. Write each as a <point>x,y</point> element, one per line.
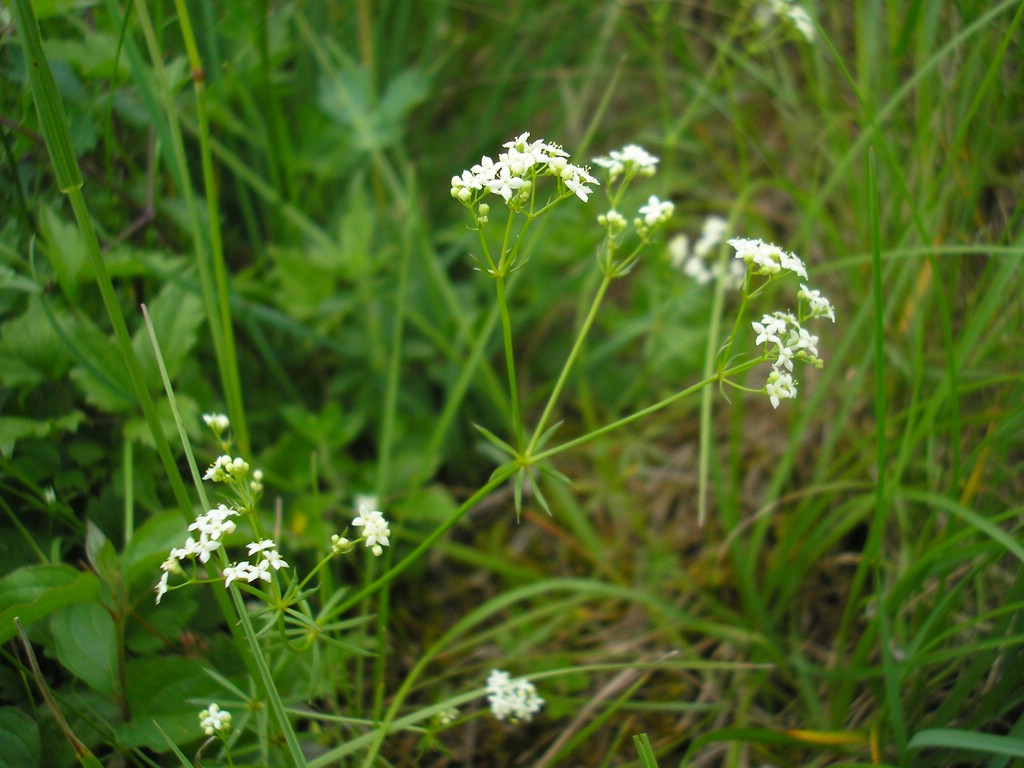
<point>375,124</point>
<point>32,342</point>
<point>86,643</point>
<point>101,374</point>
<point>19,739</point>
<point>12,281</point>
<point>65,250</point>
<point>15,428</point>
<point>34,592</point>
<point>176,315</point>
<point>302,286</point>
<point>165,690</point>
<point>150,545</point>
<point>138,430</point>
<point>94,55</point>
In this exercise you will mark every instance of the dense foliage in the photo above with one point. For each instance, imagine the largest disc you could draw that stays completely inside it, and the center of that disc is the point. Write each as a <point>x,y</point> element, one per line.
<point>819,575</point>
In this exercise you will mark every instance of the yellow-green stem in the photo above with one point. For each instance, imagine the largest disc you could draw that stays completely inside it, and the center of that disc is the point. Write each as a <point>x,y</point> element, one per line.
<point>569,361</point>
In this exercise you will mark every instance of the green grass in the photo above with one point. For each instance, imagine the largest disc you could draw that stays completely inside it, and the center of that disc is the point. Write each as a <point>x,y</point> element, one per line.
<point>853,594</point>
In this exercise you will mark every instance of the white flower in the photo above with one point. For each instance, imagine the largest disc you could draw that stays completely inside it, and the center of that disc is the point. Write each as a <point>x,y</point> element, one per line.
<point>818,305</point>
<point>784,359</point>
<point>656,211</point>
<point>274,560</point>
<point>780,386</point>
<point>238,572</point>
<point>514,699</point>
<point>215,523</point>
<point>630,159</point>
<point>225,469</point>
<point>340,544</point>
<point>771,328</point>
<point>764,258</point>
<point>711,234</point>
<point>579,189</point>
<point>260,546</point>
<point>787,12</point>
<point>161,586</point>
<point>505,184</point>
<point>213,720</point>
<point>679,252</point>
<point>613,220</point>
<point>375,530</point>
<point>217,422</point>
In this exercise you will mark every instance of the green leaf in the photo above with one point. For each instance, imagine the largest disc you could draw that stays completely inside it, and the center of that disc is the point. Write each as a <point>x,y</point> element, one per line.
<point>33,339</point>
<point>94,56</point>
<point>176,315</point>
<point>347,97</point>
<point>19,739</point>
<point>65,249</point>
<point>12,281</point>
<point>15,428</point>
<point>644,751</point>
<point>149,547</point>
<point>101,374</point>
<point>165,690</point>
<point>431,505</point>
<point>34,592</point>
<point>495,440</point>
<point>955,738</point>
<point>101,553</point>
<point>86,643</point>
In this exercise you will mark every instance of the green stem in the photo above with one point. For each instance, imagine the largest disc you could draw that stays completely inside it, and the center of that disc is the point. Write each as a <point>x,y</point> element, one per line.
<point>298,759</point>
<point>427,543</point>
<point>241,630</point>
<point>660,405</point>
<point>227,358</point>
<point>510,360</point>
<point>569,362</point>
<point>54,122</point>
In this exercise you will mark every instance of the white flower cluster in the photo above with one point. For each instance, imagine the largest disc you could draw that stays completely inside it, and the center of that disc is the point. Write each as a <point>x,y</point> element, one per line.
<point>792,341</point>
<point>512,176</point>
<point>217,422</point>
<point>782,333</point>
<point>211,527</point>
<point>817,305</point>
<point>246,571</point>
<point>789,12</point>
<point>694,263</point>
<point>655,212</point>
<point>213,720</point>
<point>226,469</point>
<point>766,259</point>
<point>632,159</point>
<point>513,699</point>
<point>376,532</point>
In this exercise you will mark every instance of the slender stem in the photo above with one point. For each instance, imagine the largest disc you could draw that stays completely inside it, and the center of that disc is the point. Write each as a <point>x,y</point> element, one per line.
<point>253,659</point>
<point>298,759</point>
<point>496,480</point>
<point>228,360</point>
<point>661,404</point>
<point>510,360</point>
<point>569,362</point>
